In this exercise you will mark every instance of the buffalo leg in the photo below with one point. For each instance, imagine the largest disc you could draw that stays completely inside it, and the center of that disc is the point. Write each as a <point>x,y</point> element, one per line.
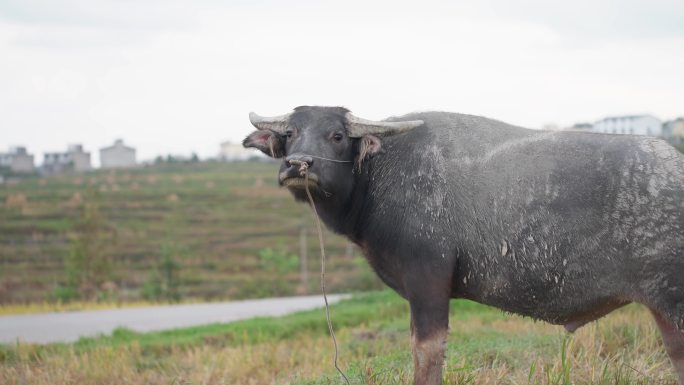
<point>429,329</point>
<point>673,339</point>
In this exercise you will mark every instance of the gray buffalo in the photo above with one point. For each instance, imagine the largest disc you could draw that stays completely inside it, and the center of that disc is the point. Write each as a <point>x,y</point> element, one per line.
<point>559,226</point>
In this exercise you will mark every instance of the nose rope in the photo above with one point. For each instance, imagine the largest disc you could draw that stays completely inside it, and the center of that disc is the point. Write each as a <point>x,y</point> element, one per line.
<point>328,159</point>
<point>304,171</point>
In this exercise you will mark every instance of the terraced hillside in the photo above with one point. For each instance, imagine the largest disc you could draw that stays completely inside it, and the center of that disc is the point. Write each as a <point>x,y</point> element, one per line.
<point>204,231</point>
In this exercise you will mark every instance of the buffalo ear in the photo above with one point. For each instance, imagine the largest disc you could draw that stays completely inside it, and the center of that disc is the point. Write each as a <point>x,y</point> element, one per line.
<point>266,141</point>
<point>369,145</point>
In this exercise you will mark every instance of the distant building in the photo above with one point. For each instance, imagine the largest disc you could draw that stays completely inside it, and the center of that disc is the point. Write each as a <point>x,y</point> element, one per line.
<point>17,160</point>
<point>673,131</point>
<point>231,152</point>
<point>73,160</point>
<point>117,156</point>
<point>632,124</point>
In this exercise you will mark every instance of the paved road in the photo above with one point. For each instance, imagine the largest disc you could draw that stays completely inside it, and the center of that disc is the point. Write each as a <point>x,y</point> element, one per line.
<point>68,327</point>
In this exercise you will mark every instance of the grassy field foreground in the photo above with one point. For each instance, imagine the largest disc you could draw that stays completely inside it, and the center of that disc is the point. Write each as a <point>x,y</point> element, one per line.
<point>485,346</point>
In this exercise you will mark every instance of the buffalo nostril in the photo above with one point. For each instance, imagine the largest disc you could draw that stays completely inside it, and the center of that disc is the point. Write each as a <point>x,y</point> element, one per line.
<point>298,160</point>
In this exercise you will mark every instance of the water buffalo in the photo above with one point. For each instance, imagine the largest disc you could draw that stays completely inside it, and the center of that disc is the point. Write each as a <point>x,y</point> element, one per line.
<point>559,226</point>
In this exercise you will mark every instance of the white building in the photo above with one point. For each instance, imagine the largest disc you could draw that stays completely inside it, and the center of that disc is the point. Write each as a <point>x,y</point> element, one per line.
<point>632,124</point>
<point>231,152</point>
<point>17,160</point>
<point>74,160</point>
<point>117,156</point>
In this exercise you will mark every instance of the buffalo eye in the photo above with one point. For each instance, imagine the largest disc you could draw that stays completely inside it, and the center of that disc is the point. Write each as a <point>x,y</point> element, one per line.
<point>337,137</point>
<point>288,133</point>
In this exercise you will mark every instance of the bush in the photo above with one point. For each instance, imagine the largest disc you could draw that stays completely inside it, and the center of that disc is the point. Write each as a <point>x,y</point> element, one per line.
<point>64,294</point>
<point>680,147</point>
<point>278,261</point>
<point>89,265</point>
<point>163,282</point>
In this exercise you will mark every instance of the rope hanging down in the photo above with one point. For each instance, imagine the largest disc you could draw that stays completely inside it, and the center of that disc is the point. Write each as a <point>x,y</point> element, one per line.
<point>304,171</point>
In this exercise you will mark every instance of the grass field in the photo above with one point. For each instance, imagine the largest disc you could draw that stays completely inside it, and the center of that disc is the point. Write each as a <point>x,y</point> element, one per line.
<point>228,232</point>
<point>223,228</point>
<point>485,346</point>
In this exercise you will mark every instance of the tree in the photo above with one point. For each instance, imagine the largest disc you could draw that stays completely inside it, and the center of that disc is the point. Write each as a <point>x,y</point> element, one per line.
<point>163,282</point>
<point>89,263</point>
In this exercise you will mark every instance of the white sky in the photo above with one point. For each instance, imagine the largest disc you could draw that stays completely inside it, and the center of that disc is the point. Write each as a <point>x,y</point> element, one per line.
<point>181,76</point>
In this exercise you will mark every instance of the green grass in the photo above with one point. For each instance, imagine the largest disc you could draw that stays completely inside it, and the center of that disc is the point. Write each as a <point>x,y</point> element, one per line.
<point>485,346</point>
<point>363,308</point>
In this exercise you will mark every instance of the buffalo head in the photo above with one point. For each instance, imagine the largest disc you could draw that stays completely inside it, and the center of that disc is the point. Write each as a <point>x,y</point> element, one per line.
<point>329,141</point>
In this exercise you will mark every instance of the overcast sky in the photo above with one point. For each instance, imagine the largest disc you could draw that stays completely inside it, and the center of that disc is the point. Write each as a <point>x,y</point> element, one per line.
<point>181,76</point>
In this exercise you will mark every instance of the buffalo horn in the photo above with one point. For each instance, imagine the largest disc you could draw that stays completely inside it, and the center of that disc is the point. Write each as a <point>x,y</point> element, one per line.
<point>359,127</point>
<point>277,124</point>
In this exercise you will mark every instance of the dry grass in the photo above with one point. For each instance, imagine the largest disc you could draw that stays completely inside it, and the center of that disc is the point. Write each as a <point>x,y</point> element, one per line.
<point>58,306</point>
<point>485,347</point>
<point>213,219</point>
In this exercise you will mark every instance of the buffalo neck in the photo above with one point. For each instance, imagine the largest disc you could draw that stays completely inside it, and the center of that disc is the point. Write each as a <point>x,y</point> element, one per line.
<point>343,215</point>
